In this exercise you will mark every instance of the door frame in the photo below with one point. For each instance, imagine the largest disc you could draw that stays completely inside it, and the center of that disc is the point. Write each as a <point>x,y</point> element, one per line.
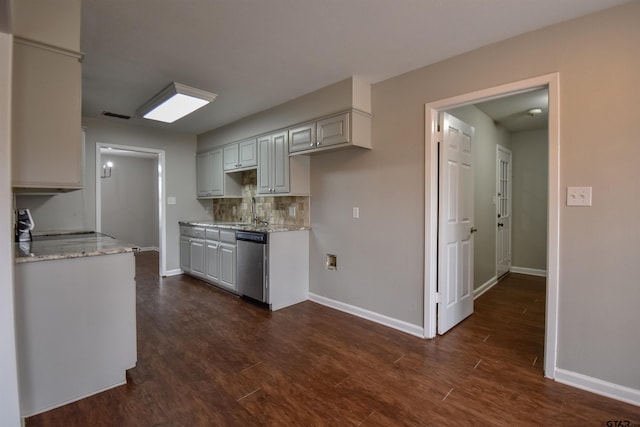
<point>551,82</point>
<point>162,221</point>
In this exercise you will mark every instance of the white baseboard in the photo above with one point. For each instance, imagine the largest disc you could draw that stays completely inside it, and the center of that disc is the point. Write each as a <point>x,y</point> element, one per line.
<point>175,272</point>
<point>597,386</point>
<point>529,271</point>
<point>400,325</point>
<point>485,287</point>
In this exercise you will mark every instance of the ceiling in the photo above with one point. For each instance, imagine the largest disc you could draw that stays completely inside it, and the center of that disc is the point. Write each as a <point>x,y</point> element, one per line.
<point>256,54</point>
<point>512,112</point>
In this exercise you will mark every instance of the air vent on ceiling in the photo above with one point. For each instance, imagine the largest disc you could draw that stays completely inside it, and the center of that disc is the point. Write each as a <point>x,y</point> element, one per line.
<point>116,115</point>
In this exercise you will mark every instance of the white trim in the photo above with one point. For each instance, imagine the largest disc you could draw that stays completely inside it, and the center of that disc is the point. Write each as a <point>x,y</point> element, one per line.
<point>73,399</point>
<point>485,287</point>
<point>597,386</point>
<point>529,271</point>
<point>551,81</point>
<point>399,325</point>
<point>162,220</point>
<point>174,272</point>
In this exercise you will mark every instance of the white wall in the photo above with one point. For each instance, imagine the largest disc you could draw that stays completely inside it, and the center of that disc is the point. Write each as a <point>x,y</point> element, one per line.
<point>9,402</point>
<point>180,173</point>
<point>598,66</point>
<point>129,200</point>
<point>529,222</point>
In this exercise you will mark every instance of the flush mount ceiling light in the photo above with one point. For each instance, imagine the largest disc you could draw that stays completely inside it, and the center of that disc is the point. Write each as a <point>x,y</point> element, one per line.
<point>534,111</point>
<point>175,101</point>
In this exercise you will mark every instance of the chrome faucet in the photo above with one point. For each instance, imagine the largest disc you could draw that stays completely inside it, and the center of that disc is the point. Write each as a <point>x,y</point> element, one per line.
<point>254,214</point>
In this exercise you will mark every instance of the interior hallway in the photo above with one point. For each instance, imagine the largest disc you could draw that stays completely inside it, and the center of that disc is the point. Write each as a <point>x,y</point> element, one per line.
<point>206,358</point>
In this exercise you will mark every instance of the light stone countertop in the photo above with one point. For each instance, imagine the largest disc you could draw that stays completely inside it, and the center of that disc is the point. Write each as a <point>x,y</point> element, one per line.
<point>240,226</point>
<point>71,245</point>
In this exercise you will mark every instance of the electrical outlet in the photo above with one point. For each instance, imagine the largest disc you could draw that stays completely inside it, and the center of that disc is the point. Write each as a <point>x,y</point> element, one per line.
<point>292,210</point>
<point>578,196</point>
<point>356,212</point>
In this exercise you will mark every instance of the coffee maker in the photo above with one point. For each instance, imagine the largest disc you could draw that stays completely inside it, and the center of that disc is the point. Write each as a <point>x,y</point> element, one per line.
<point>24,225</point>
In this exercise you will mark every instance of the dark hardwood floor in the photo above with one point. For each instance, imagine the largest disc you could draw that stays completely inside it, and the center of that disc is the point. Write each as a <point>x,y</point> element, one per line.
<point>207,358</point>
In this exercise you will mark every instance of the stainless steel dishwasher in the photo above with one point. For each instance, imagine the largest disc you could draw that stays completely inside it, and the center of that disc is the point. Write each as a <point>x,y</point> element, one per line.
<point>252,264</point>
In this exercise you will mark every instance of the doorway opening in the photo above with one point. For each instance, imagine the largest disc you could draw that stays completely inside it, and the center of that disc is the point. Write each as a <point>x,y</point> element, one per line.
<point>432,137</point>
<point>141,193</point>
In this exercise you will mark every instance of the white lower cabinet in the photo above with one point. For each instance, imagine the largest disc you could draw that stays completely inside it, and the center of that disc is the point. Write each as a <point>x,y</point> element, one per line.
<point>228,266</point>
<point>212,254</point>
<point>196,254</point>
<point>212,258</point>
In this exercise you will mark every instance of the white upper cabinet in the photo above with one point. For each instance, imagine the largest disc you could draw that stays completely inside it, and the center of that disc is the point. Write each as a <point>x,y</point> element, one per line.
<point>350,129</point>
<point>273,171</point>
<point>209,174</point>
<point>46,111</point>
<point>211,179</point>
<point>47,147</point>
<point>302,137</point>
<point>240,155</point>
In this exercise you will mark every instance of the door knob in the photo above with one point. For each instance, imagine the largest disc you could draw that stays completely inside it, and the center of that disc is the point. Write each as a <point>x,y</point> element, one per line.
<point>500,224</point>
<point>473,230</point>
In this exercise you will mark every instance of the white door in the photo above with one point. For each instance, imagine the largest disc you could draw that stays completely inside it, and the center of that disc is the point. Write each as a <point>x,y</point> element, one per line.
<point>455,228</point>
<point>503,211</point>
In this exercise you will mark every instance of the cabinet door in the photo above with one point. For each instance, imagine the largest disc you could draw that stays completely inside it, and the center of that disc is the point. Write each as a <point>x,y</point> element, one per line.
<point>185,254</point>
<point>196,251</point>
<point>264,164</point>
<point>216,173</point>
<point>248,153</point>
<point>280,172</point>
<point>302,137</point>
<point>227,275</point>
<point>45,113</point>
<point>212,264</point>
<point>202,175</point>
<point>334,130</point>
<point>231,157</point>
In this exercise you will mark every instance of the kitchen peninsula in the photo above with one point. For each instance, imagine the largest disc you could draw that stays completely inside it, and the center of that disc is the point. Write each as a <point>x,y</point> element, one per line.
<point>75,317</point>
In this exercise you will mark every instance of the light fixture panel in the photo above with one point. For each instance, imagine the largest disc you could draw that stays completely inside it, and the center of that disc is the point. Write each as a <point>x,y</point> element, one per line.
<point>174,102</point>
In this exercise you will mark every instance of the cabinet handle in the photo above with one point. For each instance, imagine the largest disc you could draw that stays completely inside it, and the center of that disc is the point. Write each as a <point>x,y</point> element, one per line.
<point>317,143</point>
<point>312,144</point>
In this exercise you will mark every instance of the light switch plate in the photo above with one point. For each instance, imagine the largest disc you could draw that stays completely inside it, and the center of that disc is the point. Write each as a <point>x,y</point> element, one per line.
<point>356,212</point>
<point>171,200</point>
<point>578,196</point>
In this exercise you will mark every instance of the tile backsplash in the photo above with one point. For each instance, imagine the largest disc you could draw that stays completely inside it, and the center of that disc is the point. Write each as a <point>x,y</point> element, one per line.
<point>277,210</point>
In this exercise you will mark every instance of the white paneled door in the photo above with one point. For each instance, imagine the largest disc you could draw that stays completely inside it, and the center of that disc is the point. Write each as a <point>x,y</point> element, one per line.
<point>455,229</point>
<point>503,211</point>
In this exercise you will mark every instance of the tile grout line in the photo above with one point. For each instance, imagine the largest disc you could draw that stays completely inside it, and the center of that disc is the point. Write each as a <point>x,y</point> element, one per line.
<point>367,417</point>
<point>247,395</point>
<point>444,398</point>
<point>249,367</point>
<point>399,358</point>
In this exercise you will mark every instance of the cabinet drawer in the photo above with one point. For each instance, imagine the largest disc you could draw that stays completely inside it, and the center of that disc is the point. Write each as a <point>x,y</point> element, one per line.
<point>185,230</point>
<point>197,232</point>
<point>227,236</point>
<point>212,234</point>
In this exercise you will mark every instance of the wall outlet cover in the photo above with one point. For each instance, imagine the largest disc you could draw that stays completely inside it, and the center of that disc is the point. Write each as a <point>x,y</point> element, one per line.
<point>578,196</point>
